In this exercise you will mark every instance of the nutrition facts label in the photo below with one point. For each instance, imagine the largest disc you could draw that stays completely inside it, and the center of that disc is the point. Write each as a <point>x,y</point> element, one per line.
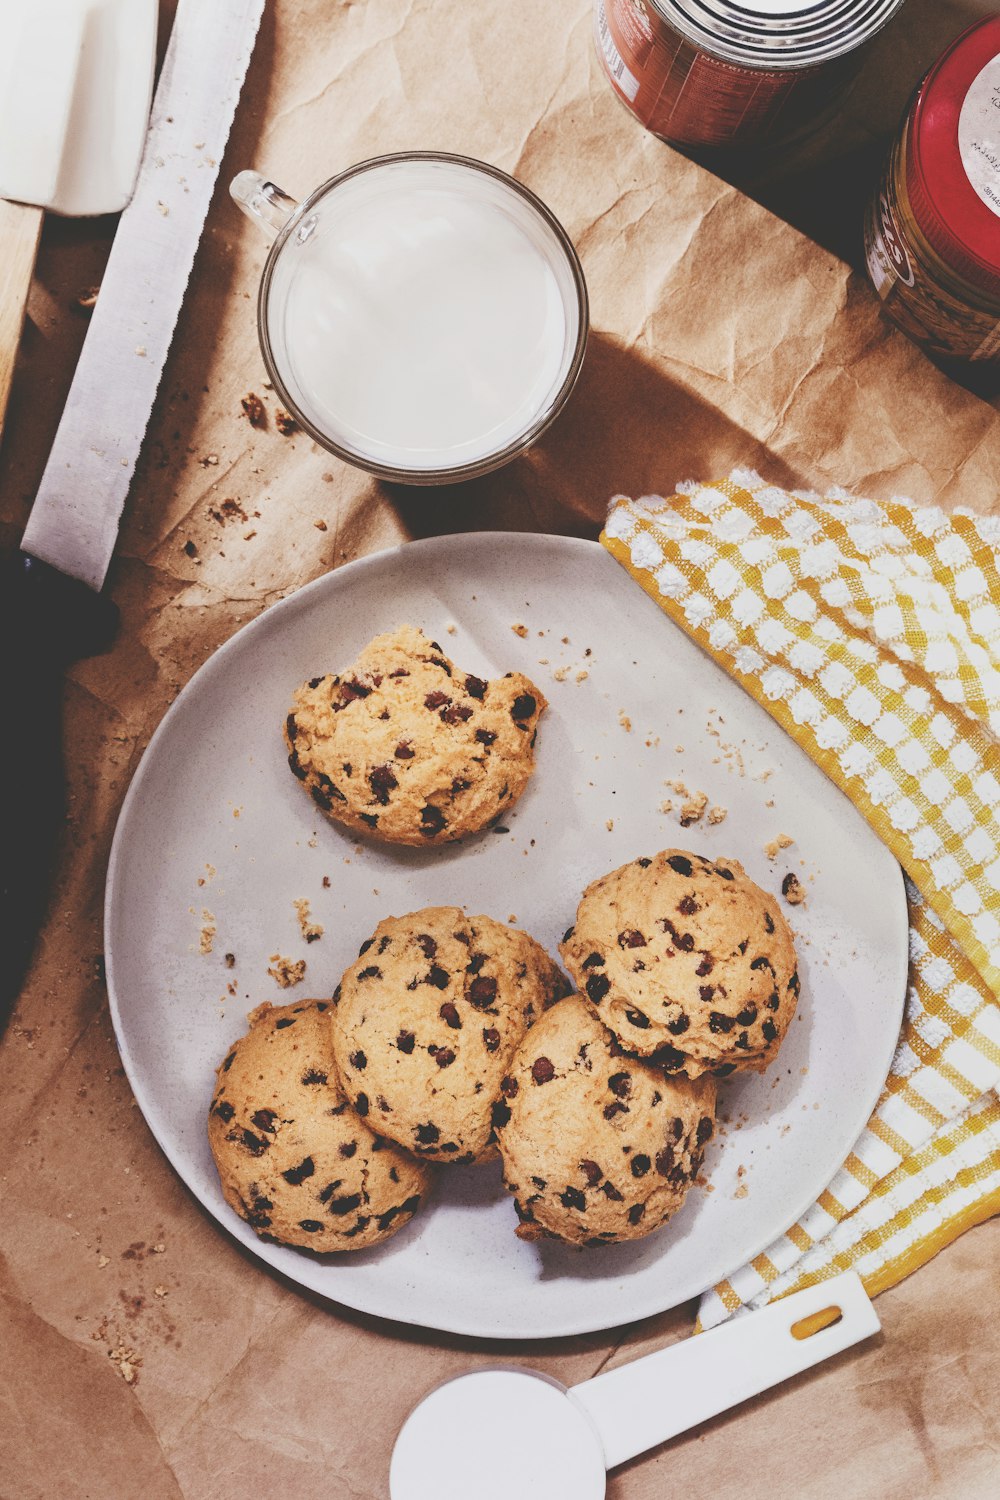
<point>626,81</point>
<point>979,135</point>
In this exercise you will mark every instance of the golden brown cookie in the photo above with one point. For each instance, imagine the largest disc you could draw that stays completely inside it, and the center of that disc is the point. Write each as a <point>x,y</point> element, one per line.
<point>407,747</point>
<point>293,1158</point>
<point>686,958</point>
<point>427,1020</point>
<point>596,1146</point>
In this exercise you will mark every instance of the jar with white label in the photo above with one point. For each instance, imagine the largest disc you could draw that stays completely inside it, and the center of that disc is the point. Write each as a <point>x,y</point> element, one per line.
<point>932,236</point>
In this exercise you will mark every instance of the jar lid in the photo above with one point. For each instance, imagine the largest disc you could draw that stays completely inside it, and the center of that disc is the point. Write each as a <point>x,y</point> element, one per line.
<point>953,156</point>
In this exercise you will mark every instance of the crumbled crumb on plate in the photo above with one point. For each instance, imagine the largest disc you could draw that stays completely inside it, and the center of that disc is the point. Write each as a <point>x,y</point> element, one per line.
<point>793,890</point>
<point>717,815</point>
<point>208,930</point>
<point>783,841</point>
<point>286,971</point>
<point>521,630</point>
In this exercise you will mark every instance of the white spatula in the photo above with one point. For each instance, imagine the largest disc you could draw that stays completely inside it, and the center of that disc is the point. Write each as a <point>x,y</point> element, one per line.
<point>76,79</point>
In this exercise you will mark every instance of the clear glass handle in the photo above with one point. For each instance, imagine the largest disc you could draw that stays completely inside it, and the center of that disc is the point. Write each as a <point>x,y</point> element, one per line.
<point>262,201</point>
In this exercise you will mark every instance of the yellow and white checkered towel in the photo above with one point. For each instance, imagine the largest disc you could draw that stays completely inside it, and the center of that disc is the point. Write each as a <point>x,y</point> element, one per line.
<point>871,633</point>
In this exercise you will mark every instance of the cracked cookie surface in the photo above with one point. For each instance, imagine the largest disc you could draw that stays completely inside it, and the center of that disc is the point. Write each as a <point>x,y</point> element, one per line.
<point>597,1147</point>
<point>294,1159</point>
<point>407,748</point>
<point>685,958</point>
<point>426,1023</point>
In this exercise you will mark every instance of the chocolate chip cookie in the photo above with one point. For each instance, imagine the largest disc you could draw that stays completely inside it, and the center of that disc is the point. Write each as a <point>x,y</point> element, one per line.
<point>406,747</point>
<point>293,1157</point>
<point>596,1146</point>
<point>685,958</point>
<point>427,1020</point>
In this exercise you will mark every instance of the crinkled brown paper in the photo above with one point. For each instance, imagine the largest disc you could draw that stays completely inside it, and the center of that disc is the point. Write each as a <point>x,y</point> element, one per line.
<point>144,1353</point>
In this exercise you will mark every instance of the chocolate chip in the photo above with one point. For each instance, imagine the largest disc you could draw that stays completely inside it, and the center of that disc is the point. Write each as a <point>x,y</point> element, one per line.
<point>687,906</point>
<point>384,942</point>
<point>770,1031</point>
<point>348,1148</point>
<point>382,782</point>
<point>450,1016</point>
<point>491,1038</point>
<point>707,992</point>
<point>620,1085</point>
<point>432,820</point>
<point>436,700</point>
<point>359,1061</point>
<point>610,1191</point>
<point>437,977</point>
<point>297,1175</point>
<point>457,713</point>
<point>706,966</point>
<point>726,874</point>
<point>264,1120</point>
<point>568,934</point>
<point>365,946</point>
<point>314,682</point>
<point>404,750</point>
<point>631,939</point>
<point>341,1206</point>
<point>636,1212</point>
<point>573,1198</point>
<point>593,961</point>
<point>640,1165</point>
<point>439,661</point>
<point>719,1023</point>
<point>543,1070</point>
<point>644,863</point>
<point>743,1041</point>
<point>311,1226</point>
<point>681,864</point>
<point>762,963</point>
<point>772,1002</point>
<point>793,983</point>
<point>475,963</point>
<point>665,1161</point>
<point>370,818</point>
<point>284,1022</point>
<point>228,1062</point>
<point>637,1019</point>
<point>678,1025</point>
<point>372,972</point>
<point>224,1110</point>
<point>444,1057</point>
<point>668,1058</point>
<point>485,736</point>
<point>499,1115</point>
<point>509,1087</point>
<point>615,1108</point>
<point>354,689</point>
<point>523,707</point>
<point>591,1171</point>
<point>705,1129</point>
<point>361,1105</point>
<point>724,1070</point>
<point>747,1015</point>
<point>475,687</point>
<point>291,727</point>
<point>399,672</point>
<point>768,919</point>
<point>405,1041</point>
<point>296,767</point>
<point>597,987</point>
<point>255,1144</point>
<point>428,1134</point>
<point>482,991</point>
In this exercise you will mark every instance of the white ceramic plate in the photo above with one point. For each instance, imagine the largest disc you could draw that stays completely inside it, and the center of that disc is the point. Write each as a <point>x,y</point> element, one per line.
<point>213,801</point>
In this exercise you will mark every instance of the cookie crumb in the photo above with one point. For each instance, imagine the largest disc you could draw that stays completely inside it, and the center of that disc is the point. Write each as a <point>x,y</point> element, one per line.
<point>311,930</point>
<point>560,673</point>
<point>320,525</point>
<point>717,815</point>
<point>86,298</point>
<point>230,960</point>
<point>126,1362</point>
<point>777,844</point>
<point>742,1191</point>
<point>102,1261</point>
<point>693,809</point>
<point>609,825</point>
<point>253,408</point>
<point>208,930</point>
<point>160,1291</point>
<point>667,806</point>
<point>582,675</point>
<point>285,423</point>
<point>793,890</point>
<point>625,721</point>
<point>451,627</point>
<point>521,630</point>
<point>209,461</point>
<point>326,882</point>
<point>286,971</point>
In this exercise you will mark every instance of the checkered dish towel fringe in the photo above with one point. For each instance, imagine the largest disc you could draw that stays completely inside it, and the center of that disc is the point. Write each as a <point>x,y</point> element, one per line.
<point>871,633</point>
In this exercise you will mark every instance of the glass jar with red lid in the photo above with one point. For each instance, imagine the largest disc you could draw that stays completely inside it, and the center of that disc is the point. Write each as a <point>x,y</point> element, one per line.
<point>932,236</point>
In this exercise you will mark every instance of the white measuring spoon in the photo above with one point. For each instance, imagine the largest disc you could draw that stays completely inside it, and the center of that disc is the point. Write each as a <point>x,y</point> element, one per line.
<point>500,1432</point>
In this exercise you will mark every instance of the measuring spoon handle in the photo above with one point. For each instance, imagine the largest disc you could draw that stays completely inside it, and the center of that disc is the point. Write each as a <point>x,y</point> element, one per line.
<point>645,1403</point>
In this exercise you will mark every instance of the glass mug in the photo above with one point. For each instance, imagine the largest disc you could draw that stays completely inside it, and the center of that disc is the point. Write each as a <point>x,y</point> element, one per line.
<point>423,316</point>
